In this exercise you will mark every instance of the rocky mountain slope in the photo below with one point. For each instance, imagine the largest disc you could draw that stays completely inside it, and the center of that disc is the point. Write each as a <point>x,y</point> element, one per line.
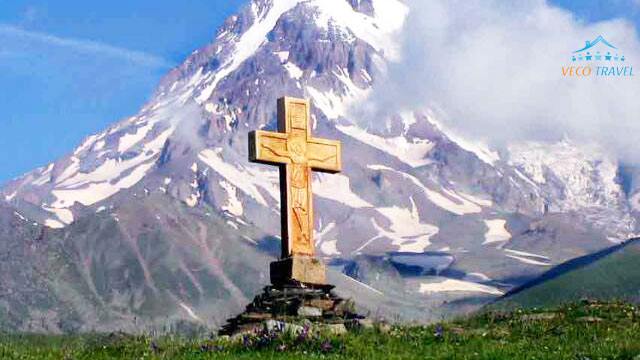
<point>610,274</point>
<point>160,220</point>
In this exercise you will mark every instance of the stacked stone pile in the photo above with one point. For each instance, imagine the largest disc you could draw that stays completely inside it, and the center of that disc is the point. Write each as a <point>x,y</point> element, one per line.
<point>294,303</point>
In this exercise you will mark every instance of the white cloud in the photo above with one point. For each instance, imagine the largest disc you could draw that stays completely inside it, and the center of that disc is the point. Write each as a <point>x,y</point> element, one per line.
<point>492,70</point>
<point>85,46</point>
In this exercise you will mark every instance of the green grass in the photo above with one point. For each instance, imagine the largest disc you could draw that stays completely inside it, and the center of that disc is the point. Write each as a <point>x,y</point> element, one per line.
<point>579,331</point>
<point>615,276</point>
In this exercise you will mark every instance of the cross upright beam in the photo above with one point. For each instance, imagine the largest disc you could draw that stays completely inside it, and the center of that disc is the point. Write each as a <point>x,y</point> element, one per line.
<point>297,153</point>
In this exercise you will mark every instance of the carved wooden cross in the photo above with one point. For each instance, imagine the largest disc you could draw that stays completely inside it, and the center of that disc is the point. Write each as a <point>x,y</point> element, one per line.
<point>297,153</point>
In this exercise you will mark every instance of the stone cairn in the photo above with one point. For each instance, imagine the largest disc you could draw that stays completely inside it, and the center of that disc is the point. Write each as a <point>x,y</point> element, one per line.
<point>294,302</point>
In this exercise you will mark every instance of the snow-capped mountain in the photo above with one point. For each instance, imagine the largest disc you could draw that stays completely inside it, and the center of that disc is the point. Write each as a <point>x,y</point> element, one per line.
<point>161,220</point>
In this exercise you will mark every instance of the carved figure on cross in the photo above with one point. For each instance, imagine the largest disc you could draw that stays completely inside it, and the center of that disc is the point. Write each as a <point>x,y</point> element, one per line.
<point>297,153</point>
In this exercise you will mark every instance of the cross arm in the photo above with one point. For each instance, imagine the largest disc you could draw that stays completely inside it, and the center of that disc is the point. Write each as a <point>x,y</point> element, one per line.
<point>325,155</point>
<point>268,147</point>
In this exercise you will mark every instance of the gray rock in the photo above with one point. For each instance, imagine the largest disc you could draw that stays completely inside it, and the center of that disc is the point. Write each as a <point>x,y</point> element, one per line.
<point>293,329</point>
<point>539,316</point>
<point>384,328</point>
<point>274,325</point>
<point>336,329</point>
<point>284,327</point>
<point>365,323</point>
<point>309,311</point>
<point>590,319</point>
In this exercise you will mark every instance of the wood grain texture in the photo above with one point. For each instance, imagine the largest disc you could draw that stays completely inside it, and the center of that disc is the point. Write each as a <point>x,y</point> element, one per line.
<point>297,153</point>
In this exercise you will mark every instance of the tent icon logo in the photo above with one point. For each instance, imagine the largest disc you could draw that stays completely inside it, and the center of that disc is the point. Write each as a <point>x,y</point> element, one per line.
<point>598,50</point>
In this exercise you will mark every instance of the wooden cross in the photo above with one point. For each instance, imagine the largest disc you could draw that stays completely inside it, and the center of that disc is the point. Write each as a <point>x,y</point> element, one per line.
<point>296,153</point>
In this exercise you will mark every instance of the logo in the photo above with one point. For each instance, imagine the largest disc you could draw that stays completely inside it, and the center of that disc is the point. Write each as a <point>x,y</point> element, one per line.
<point>598,58</point>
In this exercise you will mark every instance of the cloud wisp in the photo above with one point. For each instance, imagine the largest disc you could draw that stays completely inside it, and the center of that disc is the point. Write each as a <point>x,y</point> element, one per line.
<point>492,71</point>
<point>85,46</point>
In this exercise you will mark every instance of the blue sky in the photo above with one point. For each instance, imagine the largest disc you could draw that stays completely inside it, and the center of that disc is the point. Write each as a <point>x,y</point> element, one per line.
<point>70,68</point>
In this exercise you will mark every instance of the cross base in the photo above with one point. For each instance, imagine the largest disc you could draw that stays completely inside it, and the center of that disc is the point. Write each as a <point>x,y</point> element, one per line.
<point>293,308</point>
<point>303,269</point>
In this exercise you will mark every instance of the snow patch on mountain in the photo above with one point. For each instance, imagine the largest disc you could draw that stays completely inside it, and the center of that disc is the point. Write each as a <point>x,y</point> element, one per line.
<point>53,224</point>
<point>192,200</point>
<point>233,205</point>
<point>45,176</point>
<point>129,140</point>
<point>331,105</point>
<point>335,103</point>
<point>329,247</point>
<point>89,193</point>
<point>587,173</point>
<point>453,285</point>
<point>359,283</point>
<point>337,187</point>
<point>525,178</point>
<point>10,196</point>
<point>635,202</point>
<point>64,215</point>
<point>454,202</point>
<point>283,56</point>
<point>294,71</point>
<point>89,143</point>
<point>477,147</point>
<point>528,258</point>
<point>377,30</point>
<point>496,231</point>
<point>190,312</point>
<point>99,145</point>
<point>75,186</point>
<point>411,152</point>
<point>475,199</point>
<point>248,179</point>
<point>476,277</point>
<point>527,254</point>
<point>20,216</point>
<point>448,200</point>
<point>406,231</point>
<point>70,170</point>
<point>248,43</point>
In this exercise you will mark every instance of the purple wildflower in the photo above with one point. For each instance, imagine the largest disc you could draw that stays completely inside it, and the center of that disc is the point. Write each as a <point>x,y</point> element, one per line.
<point>439,331</point>
<point>326,346</point>
<point>246,342</point>
<point>304,334</point>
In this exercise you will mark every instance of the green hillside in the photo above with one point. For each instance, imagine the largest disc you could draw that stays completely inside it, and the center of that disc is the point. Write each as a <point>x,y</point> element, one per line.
<point>586,330</point>
<point>611,274</point>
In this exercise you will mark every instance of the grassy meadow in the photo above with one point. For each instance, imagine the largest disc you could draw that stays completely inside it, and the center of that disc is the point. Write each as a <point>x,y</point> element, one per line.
<point>586,330</point>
